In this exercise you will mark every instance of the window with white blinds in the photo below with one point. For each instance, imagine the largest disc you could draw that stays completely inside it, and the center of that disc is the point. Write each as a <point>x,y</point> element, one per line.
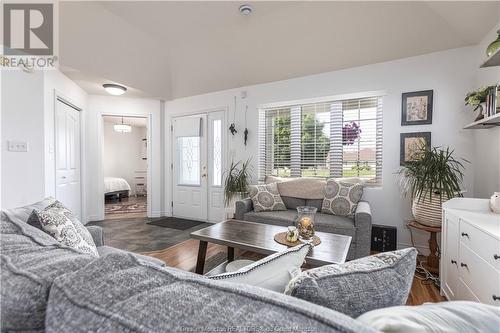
<point>327,139</point>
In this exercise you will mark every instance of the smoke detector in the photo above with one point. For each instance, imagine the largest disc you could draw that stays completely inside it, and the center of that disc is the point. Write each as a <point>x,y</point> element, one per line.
<point>245,10</point>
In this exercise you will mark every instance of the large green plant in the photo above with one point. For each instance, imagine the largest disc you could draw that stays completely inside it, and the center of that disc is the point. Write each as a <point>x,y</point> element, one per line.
<point>237,179</point>
<point>436,171</point>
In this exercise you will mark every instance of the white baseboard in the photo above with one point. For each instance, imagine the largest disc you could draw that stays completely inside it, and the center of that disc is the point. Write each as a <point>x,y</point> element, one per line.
<point>92,218</point>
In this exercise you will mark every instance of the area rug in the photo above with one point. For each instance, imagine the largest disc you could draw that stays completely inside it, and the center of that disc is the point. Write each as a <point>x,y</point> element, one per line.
<point>175,223</point>
<point>121,208</point>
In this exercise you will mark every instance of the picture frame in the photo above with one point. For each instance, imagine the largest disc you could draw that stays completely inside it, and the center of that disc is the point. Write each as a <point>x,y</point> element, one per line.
<point>409,142</point>
<point>417,107</point>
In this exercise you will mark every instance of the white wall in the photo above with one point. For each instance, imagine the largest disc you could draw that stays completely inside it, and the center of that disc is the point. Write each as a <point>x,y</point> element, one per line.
<point>22,119</point>
<point>123,153</point>
<point>450,74</point>
<point>28,115</point>
<point>486,141</point>
<point>109,105</point>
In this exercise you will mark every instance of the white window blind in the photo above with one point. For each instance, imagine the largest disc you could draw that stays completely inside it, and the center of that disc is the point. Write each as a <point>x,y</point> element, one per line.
<point>328,139</point>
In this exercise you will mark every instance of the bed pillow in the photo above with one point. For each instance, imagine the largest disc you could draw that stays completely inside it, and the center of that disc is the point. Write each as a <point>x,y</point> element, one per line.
<point>266,197</point>
<point>57,221</point>
<point>272,272</point>
<point>341,197</point>
<point>358,286</point>
<point>456,316</point>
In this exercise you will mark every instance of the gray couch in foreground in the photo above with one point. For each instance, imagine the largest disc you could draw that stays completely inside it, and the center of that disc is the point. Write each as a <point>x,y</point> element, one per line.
<point>49,287</point>
<point>358,227</point>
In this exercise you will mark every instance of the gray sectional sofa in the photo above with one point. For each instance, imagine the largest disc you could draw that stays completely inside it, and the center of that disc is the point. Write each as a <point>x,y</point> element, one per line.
<point>310,192</point>
<point>49,287</point>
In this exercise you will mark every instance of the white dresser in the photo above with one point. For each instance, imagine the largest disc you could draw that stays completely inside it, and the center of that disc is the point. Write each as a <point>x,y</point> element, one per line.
<point>470,251</point>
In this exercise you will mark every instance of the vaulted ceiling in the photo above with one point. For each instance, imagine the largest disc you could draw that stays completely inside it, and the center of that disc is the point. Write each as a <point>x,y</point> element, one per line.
<point>175,49</point>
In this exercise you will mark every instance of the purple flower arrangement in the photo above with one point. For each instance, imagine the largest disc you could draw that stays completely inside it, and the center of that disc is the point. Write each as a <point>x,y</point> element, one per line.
<point>350,132</point>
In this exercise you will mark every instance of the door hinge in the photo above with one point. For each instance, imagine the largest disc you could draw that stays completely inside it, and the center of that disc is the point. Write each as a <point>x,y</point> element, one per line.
<point>172,166</point>
<point>172,204</point>
<point>172,128</point>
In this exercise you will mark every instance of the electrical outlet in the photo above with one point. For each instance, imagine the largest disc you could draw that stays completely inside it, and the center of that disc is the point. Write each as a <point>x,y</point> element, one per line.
<point>18,146</point>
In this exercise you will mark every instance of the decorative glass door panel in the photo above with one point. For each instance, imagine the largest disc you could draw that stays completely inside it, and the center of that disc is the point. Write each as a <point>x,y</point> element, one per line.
<point>188,152</point>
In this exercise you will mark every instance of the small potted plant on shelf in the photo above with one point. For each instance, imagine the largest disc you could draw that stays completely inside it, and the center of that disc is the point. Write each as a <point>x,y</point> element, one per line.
<point>236,181</point>
<point>430,180</point>
<point>477,99</point>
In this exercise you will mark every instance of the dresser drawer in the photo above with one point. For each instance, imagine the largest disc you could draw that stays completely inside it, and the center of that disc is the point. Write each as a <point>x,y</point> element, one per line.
<point>481,278</point>
<point>464,293</point>
<point>486,246</point>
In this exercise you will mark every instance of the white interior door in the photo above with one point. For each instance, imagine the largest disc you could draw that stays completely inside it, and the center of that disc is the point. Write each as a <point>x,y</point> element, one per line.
<point>67,144</point>
<point>190,174</point>
<point>216,165</point>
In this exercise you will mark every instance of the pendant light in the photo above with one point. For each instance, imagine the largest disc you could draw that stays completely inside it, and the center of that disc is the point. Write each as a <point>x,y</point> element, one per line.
<point>122,128</point>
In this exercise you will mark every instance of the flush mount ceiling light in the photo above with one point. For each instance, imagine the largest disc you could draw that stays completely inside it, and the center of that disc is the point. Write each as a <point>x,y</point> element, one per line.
<point>114,89</point>
<point>246,9</point>
<point>122,128</point>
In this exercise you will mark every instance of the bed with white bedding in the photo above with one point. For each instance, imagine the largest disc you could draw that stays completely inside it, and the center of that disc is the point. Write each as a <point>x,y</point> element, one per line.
<point>114,186</point>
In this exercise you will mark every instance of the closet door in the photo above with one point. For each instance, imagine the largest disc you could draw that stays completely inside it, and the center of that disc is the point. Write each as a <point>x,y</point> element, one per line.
<point>67,154</point>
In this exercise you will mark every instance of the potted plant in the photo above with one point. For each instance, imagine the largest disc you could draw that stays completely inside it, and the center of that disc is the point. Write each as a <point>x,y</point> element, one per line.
<point>236,181</point>
<point>477,99</point>
<point>430,180</point>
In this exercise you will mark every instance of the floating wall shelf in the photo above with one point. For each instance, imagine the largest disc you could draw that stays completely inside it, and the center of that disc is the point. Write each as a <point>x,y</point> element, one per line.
<point>485,122</point>
<point>493,60</point>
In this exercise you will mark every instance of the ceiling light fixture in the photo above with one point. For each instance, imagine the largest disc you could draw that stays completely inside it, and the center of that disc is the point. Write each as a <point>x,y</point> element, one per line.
<point>114,89</point>
<point>246,10</point>
<point>122,128</point>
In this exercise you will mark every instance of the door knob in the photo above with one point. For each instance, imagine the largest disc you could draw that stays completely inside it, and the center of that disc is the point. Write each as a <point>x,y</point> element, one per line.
<point>463,265</point>
<point>453,262</point>
<point>496,298</point>
<point>496,256</point>
<point>464,234</point>
<point>204,175</point>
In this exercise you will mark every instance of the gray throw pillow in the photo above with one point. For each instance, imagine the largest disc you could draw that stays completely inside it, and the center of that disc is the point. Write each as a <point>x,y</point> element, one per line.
<point>60,223</point>
<point>358,286</point>
<point>341,198</point>
<point>266,197</point>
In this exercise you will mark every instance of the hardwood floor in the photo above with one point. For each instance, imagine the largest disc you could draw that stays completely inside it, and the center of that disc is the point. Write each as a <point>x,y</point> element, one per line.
<point>184,255</point>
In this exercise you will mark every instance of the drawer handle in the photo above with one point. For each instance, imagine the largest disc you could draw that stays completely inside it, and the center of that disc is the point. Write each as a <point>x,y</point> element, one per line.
<point>464,234</point>
<point>496,256</point>
<point>496,298</point>
<point>463,265</point>
<point>453,262</point>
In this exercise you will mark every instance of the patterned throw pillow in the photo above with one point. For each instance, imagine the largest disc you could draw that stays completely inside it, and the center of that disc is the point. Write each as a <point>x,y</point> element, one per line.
<point>341,198</point>
<point>60,223</point>
<point>358,286</point>
<point>266,197</point>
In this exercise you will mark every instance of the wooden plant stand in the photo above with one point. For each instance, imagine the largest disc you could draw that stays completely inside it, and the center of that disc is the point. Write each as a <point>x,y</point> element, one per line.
<point>432,264</point>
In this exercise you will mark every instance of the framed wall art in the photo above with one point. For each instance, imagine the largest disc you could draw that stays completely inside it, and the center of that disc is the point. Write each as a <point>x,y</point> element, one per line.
<point>416,108</point>
<point>411,144</point>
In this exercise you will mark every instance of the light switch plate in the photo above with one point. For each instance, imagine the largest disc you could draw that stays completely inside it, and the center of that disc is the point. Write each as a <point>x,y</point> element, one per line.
<point>18,146</point>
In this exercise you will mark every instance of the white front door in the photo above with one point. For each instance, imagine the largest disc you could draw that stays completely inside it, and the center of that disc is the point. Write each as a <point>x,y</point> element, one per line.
<point>198,166</point>
<point>67,153</point>
<point>190,176</point>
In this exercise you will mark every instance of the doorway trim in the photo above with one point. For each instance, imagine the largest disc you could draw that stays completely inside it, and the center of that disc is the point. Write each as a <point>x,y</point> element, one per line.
<point>100,160</point>
<point>59,96</point>
<point>172,151</point>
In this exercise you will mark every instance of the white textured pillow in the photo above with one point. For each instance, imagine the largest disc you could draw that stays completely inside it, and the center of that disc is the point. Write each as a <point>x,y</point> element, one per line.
<point>443,317</point>
<point>272,272</point>
<point>57,221</point>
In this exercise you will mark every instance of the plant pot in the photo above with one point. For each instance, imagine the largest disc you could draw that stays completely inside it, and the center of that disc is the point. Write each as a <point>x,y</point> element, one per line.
<point>428,212</point>
<point>231,207</point>
<point>481,108</point>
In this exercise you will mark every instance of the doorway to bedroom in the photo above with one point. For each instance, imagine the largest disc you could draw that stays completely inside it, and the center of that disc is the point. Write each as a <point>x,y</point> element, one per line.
<point>125,166</point>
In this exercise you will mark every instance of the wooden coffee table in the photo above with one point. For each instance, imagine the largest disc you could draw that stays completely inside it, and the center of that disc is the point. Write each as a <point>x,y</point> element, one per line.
<point>258,237</point>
